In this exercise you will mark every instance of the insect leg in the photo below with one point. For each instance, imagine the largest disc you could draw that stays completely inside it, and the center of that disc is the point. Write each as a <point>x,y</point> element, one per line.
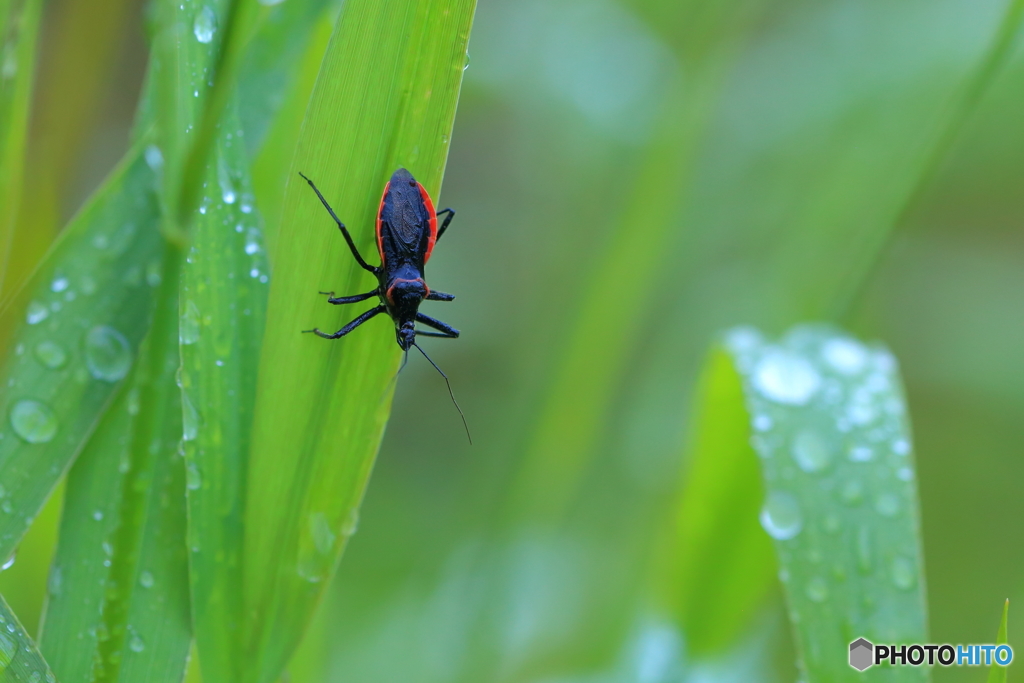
<point>348,299</point>
<point>446,329</point>
<point>351,326</point>
<point>447,220</point>
<point>341,226</point>
<point>440,296</point>
<point>422,333</point>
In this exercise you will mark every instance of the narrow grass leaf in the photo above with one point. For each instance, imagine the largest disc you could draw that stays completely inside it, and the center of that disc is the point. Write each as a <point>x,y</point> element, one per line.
<point>19,28</point>
<point>224,287</point>
<point>385,97</point>
<point>830,427</point>
<point>89,307</point>
<point>997,673</point>
<point>118,595</point>
<point>592,362</point>
<point>20,661</point>
<point>721,562</point>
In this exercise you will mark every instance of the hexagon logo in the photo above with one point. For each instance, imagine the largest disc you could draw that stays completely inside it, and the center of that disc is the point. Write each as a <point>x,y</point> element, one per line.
<point>861,651</point>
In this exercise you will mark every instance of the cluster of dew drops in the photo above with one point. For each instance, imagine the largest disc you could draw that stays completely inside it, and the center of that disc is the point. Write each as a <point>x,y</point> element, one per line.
<point>850,389</point>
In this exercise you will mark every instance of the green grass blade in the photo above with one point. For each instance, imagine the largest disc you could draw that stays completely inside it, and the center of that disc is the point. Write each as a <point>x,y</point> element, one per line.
<point>829,422</point>
<point>118,591</point>
<point>928,161</point>
<point>20,661</point>
<point>221,327</point>
<point>272,166</point>
<point>593,361</point>
<point>19,28</point>
<point>721,561</point>
<point>997,674</point>
<point>90,303</point>
<point>385,98</point>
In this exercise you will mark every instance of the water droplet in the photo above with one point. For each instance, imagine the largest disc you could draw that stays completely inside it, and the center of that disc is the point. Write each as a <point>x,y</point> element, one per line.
<point>901,447</point>
<point>781,516</point>
<point>852,492</point>
<point>10,68</point>
<point>845,355</point>
<point>107,353</point>
<point>887,505</point>
<point>154,158</point>
<point>33,421</point>
<point>193,480</point>
<point>9,562</point>
<point>59,284</point>
<point>817,589</point>
<point>321,532</point>
<point>270,3</point>
<point>351,523</point>
<point>227,189</point>
<point>255,272</point>
<point>861,454</point>
<point>903,575</point>
<point>35,676</point>
<point>7,651</point>
<point>905,474</point>
<point>51,354</point>
<point>762,423</point>
<point>189,419</point>
<point>811,451</point>
<point>146,579</point>
<point>55,583</point>
<point>36,313</point>
<point>188,332</point>
<point>136,644</point>
<point>786,378</point>
<point>107,548</point>
<point>205,25</point>
<point>97,515</point>
<point>154,275</point>
<point>252,241</point>
<point>133,401</point>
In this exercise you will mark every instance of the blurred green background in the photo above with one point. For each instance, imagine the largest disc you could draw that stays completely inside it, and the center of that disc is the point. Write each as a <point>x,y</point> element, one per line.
<point>794,140</point>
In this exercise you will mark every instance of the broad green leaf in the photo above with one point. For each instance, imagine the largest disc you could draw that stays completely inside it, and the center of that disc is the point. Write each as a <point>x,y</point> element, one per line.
<point>720,560</point>
<point>118,591</point>
<point>20,661</point>
<point>19,26</point>
<point>89,308</point>
<point>385,98</point>
<point>997,673</point>
<point>829,424</point>
<point>222,311</point>
<point>271,168</point>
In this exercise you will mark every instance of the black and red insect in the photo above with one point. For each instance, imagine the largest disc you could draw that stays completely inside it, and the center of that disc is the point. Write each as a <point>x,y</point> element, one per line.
<point>407,231</point>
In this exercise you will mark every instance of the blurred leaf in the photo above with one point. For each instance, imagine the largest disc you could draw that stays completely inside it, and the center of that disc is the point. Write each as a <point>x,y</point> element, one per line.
<point>829,422</point>
<point>721,561</point>
<point>597,349</point>
<point>20,661</point>
<point>19,26</point>
<point>997,674</point>
<point>90,306</point>
<point>118,605</point>
<point>82,48</point>
<point>926,162</point>
<point>385,97</point>
<point>223,305</point>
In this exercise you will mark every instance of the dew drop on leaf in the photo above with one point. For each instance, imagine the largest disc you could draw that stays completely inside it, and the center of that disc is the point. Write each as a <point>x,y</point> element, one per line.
<point>33,421</point>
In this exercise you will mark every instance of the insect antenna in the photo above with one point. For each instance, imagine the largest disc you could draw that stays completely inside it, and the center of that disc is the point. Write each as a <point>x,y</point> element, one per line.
<point>394,380</point>
<point>450,393</point>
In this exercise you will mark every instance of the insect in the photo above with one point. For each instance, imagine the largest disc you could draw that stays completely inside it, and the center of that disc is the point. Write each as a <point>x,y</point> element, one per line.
<point>407,231</point>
